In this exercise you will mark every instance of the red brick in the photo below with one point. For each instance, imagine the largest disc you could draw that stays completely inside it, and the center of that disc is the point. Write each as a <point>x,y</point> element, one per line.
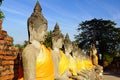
<point>8,55</point>
<point>7,72</point>
<point>2,52</point>
<point>1,68</point>
<point>1,37</point>
<point>7,77</point>
<point>11,67</point>
<point>4,33</point>
<point>1,56</point>
<point>1,47</point>
<point>7,62</point>
<point>6,67</point>
<point>9,58</point>
<point>8,38</point>
<point>2,42</point>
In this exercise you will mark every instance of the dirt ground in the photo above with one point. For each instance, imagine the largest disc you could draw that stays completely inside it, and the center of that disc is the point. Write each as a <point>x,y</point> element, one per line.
<point>111,76</point>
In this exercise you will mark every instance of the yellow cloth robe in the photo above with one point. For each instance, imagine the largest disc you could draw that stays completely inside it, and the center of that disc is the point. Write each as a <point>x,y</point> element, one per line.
<point>67,64</point>
<point>79,64</point>
<point>44,65</point>
<point>72,66</point>
<point>96,58</point>
<point>64,63</point>
<point>88,64</point>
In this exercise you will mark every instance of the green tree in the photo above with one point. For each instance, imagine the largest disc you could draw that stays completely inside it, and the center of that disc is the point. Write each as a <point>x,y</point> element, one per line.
<point>25,43</point>
<point>1,2</point>
<point>48,41</point>
<point>100,32</point>
<point>1,13</point>
<point>19,46</point>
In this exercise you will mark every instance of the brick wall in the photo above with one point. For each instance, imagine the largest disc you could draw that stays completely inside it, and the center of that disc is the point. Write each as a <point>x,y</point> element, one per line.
<point>8,57</point>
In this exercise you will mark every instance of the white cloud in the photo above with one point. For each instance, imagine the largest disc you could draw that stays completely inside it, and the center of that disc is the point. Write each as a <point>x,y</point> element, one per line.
<point>116,15</point>
<point>13,11</point>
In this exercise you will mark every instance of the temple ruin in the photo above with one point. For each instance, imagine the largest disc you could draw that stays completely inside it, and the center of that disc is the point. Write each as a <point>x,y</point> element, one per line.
<point>9,61</point>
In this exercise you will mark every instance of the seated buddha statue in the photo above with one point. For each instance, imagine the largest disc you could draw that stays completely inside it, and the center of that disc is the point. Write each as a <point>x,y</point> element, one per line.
<point>36,58</point>
<point>60,61</point>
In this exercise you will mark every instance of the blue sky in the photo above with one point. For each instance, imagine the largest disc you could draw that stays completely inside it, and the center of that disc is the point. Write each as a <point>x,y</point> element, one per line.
<point>68,13</point>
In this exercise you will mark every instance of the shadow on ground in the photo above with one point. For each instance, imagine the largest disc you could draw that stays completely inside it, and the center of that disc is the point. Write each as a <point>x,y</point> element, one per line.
<point>112,73</point>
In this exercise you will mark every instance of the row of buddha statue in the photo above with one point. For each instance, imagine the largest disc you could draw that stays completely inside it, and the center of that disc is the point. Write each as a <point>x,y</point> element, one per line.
<point>64,61</point>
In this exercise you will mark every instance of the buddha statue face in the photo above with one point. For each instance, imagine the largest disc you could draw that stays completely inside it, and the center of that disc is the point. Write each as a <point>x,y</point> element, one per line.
<point>75,49</point>
<point>68,48</point>
<point>41,33</point>
<point>57,43</point>
<point>68,45</point>
<point>93,50</point>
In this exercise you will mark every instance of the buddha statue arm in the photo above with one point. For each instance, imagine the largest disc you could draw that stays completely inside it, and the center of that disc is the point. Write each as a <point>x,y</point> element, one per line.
<point>29,63</point>
<point>29,60</point>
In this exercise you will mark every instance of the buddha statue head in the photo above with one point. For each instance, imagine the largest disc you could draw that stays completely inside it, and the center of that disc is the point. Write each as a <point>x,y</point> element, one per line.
<point>68,45</point>
<point>37,25</point>
<point>76,52</point>
<point>57,37</point>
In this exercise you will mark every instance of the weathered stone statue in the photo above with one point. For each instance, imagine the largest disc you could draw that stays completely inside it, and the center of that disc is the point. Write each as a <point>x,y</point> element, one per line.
<point>37,59</point>
<point>77,52</point>
<point>79,55</point>
<point>60,63</point>
<point>37,23</point>
<point>68,47</point>
<point>98,69</point>
<point>57,38</point>
<point>57,43</point>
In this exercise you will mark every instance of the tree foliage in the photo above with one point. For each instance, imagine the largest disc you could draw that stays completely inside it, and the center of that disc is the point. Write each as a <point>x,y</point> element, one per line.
<point>1,2</point>
<point>48,41</point>
<point>1,13</point>
<point>21,46</point>
<point>100,32</point>
<point>25,43</point>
